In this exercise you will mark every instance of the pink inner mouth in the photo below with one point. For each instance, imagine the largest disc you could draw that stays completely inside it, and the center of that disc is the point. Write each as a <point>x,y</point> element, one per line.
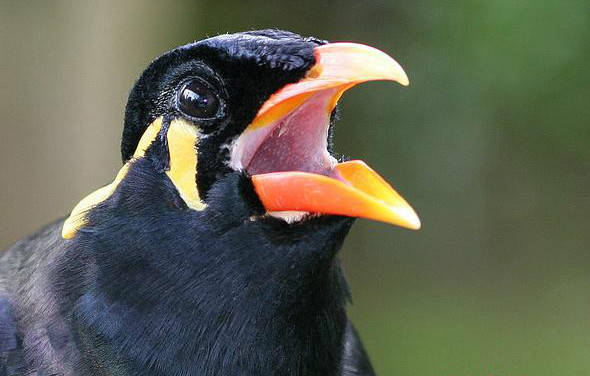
<point>296,142</point>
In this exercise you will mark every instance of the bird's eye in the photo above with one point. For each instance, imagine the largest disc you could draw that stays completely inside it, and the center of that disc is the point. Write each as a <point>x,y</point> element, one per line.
<point>198,100</point>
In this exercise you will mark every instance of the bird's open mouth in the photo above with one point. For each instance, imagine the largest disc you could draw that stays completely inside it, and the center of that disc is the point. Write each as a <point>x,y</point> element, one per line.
<point>285,147</point>
<point>295,142</point>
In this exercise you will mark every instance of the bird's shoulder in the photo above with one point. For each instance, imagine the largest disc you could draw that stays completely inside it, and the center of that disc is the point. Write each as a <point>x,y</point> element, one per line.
<point>355,361</point>
<point>11,350</point>
<point>17,264</point>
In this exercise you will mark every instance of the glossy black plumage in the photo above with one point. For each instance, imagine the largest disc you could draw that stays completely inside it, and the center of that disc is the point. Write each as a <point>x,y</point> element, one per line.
<point>149,287</point>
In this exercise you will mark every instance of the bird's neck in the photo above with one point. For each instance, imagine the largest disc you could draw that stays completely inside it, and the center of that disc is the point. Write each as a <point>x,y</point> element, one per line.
<point>193,292</point>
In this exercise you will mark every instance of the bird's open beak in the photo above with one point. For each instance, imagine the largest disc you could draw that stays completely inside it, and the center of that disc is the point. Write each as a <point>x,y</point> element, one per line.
<point>285,147</point>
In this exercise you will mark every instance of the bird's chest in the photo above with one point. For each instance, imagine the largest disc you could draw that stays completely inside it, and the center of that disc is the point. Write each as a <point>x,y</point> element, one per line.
<point>302,342</point>
<point>193,304</point>
<point>231,327</point>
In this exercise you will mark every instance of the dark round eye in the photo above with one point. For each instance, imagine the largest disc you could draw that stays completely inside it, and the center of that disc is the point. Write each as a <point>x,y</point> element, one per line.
<point>198,100</point>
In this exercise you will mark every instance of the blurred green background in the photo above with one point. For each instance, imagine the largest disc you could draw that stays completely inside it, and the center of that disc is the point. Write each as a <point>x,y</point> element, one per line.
<point>490,144</point>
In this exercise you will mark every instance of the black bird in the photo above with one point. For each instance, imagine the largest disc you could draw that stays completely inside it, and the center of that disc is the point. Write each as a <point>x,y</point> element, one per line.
<point>214,250</point>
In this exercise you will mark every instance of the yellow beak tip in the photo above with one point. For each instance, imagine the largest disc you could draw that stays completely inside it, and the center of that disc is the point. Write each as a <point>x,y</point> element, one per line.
<point>407,217</point>
<point>400,76</point>
<point>416,225</point>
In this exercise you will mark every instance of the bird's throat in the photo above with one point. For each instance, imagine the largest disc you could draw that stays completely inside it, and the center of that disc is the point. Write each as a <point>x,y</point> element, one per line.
<point>268,303</point>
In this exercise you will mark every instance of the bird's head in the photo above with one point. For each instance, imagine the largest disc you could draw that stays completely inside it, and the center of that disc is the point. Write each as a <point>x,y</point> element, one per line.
<point>259,103</point>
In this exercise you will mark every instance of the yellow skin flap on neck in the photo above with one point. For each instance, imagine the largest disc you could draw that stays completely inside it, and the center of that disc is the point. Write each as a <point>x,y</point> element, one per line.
<point>182,140</point>
<point>182,144</point>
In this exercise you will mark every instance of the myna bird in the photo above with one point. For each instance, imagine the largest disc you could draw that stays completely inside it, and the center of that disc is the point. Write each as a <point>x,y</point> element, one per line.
<point>214,249</point>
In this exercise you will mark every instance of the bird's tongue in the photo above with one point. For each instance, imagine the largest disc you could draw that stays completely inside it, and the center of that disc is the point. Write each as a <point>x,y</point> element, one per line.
<point>285,147</point>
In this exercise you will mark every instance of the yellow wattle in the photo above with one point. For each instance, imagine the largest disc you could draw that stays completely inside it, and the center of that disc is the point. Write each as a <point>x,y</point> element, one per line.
<point>182,139</point>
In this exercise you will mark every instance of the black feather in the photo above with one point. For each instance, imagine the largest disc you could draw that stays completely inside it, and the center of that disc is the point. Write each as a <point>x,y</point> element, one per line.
<point>150,287</point>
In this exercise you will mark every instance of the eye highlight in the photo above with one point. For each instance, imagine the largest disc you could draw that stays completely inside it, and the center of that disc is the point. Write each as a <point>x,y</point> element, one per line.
<point>198,100</point>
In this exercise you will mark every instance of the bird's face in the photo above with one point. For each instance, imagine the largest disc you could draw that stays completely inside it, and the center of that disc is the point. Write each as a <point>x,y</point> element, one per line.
<point>259,103</point>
